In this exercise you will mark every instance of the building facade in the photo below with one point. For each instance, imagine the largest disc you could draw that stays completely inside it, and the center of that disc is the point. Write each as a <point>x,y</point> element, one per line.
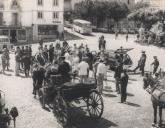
<point>156,3</point>
<point>31,20</point>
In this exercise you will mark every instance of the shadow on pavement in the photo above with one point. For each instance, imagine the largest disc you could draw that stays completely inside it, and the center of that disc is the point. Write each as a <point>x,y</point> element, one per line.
<point>132,79</point>
<point>133,104</point>
<point>109,95</point>
<point>107,90</point>
<point>78,119</point>
<point>130,94</point>
<point>10,70</point>
<point>7,74</point>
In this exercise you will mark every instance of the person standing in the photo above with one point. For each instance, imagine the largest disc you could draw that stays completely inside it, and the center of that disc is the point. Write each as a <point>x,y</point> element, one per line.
<point>117,77</point>
<point>83,70</point>
<point>22,54</point>
<point>155,64</point>
<point>45,53</point>
<point>64,69</point>
<point>27,61</point>
<point>17,60</point>
<point>127,37</point>
<point>51,53</point>
<point>101,73</point>
<point>124,83</point>
<point>4,60</point>
<point>100,43</point>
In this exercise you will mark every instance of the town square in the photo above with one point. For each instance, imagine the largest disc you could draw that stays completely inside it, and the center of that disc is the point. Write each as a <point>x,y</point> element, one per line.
<point>54,74</point>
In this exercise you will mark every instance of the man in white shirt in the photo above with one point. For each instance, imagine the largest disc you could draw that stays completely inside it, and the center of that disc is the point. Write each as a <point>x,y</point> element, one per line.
<point>101,73</point>
<point>83,70</point>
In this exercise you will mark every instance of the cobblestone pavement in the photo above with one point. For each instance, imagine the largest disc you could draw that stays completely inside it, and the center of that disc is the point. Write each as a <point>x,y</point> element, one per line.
<point>136,114</point>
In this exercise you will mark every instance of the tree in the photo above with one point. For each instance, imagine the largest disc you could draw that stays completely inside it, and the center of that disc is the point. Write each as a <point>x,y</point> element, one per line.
<point>144,16</point>
<point>117,11</point>
<point>99,11</point>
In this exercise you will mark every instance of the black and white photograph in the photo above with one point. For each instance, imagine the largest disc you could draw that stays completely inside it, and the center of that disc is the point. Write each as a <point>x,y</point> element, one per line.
<point>82,64</point>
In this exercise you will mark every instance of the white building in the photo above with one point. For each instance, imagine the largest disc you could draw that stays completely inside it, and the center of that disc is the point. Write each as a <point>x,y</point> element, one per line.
<point>156,3</point>
<point>31,20</point>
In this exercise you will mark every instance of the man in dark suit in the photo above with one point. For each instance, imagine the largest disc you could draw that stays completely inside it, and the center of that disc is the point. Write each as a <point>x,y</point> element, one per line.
<point>64,70</point>
<point>141,63</point>
<point>124,83</point>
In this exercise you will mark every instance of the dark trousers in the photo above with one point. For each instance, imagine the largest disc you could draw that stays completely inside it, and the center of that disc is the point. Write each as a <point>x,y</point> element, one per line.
<point>117,80</point>
<point>141,69</point>
<point>123,93</point>
<point>155,69</point>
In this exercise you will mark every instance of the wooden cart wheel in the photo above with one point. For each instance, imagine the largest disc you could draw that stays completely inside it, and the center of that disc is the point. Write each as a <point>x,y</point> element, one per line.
<point>95,104</point>
<point>41,98</point>
<point>60,110</point>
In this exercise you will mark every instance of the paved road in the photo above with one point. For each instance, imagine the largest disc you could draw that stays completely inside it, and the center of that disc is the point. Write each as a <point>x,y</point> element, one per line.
<point>136,114</point>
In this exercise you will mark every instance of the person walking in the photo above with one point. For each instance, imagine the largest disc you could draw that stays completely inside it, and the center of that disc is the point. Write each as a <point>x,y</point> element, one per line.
<point>141,63</point>
<point>124,83</point>
<point>155,64</point>
<point>101,73</point>
<point>83,70</point>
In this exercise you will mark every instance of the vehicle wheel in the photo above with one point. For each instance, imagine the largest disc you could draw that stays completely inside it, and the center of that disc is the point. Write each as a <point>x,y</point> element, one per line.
<point>60,110</point>
<point>95,104</point>
<point>41,98</point>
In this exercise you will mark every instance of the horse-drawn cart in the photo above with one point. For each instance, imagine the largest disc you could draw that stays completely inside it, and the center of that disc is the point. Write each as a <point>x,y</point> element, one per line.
<point>67,93</point>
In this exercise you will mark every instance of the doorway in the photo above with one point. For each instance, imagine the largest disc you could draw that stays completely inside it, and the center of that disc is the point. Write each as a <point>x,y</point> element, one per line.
<point>13,36</point>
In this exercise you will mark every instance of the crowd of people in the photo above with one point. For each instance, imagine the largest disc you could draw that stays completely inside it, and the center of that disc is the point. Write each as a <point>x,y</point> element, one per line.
<point>68,61</point>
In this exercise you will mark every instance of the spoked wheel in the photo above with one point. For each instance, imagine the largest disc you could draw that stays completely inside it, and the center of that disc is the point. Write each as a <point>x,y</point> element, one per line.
<point>95,104</point>
<point>41,98</point>
<point>60,110</point>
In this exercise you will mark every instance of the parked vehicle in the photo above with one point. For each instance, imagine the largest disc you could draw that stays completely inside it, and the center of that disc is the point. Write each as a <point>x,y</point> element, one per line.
<point>82,26</point>
<point>67,24</point>
<point>5,42</point>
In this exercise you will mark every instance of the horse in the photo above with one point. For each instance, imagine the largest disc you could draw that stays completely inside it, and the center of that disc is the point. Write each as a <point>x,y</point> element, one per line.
<point>157,91</point>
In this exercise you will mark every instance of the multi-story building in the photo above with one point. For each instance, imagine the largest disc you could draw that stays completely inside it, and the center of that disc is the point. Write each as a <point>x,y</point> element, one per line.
<point>31,20</point>
<point>156,3</point>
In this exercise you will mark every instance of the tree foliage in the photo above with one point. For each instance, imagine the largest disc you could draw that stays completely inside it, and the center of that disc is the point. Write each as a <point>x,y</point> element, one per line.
<point>100,10</point>
<point>147,16</point>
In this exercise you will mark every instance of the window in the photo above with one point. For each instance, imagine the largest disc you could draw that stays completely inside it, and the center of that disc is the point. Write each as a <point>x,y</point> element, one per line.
<point>21,34</point>
<point>55,2</point>
<point>47,30</point>
<point>55,15</point>
<point>40,15</point>
<point>40,2</point>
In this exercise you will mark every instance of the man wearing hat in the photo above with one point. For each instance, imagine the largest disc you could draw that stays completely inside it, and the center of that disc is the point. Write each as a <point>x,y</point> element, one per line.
<point>155,64</point>
<point>141,63</point>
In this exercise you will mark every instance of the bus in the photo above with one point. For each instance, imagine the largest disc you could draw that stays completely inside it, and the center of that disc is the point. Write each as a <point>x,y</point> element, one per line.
<point>82,26</point>
<point>5,43</point>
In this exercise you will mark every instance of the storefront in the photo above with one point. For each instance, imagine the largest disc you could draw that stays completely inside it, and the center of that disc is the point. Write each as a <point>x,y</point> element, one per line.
<point>46,32</point>
<point>16,34</point>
